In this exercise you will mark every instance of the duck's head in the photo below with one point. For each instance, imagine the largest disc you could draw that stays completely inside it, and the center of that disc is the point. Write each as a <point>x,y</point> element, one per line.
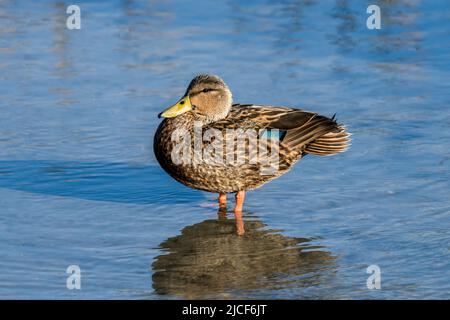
<point>207,97</point>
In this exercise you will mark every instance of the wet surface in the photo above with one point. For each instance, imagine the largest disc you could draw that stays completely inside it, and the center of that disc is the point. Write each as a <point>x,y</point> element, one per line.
<point>209,260</point>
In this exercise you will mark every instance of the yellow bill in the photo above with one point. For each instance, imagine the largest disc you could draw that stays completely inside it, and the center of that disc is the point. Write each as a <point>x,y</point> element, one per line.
<point>182,106</point>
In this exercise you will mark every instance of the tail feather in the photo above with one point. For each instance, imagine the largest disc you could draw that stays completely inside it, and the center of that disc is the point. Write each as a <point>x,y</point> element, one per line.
<point>330,143</point>
<point>319,135</point>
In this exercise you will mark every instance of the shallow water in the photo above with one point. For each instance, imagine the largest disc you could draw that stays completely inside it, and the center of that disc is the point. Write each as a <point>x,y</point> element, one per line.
<point>79,184</point>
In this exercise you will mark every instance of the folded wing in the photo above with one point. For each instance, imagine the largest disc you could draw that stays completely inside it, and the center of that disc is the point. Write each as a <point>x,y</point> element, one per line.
<point>301,130</point>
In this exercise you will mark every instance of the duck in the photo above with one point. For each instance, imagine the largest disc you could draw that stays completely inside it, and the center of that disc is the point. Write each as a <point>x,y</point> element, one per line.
<point>208,143</point>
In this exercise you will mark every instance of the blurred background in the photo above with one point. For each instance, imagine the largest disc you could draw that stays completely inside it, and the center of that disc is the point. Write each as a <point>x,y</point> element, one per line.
<point>79,184</point>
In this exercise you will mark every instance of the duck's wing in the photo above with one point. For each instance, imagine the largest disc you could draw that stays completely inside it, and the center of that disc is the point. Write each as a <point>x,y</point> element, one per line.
<point>300,130</point>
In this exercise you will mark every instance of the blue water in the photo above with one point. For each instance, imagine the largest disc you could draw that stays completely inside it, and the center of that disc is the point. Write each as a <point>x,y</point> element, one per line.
<point>79,184</point>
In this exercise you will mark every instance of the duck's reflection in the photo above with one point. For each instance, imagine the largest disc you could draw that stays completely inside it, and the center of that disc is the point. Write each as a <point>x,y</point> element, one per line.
<point>208,259</point>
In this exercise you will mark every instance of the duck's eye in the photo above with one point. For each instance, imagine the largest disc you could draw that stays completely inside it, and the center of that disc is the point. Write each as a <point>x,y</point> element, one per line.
<point>206,90</point>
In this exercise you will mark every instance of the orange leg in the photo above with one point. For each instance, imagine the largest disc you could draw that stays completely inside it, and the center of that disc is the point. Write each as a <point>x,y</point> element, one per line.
<point>222,206</point>
<point>240,196</point>
<point>222,200</point>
